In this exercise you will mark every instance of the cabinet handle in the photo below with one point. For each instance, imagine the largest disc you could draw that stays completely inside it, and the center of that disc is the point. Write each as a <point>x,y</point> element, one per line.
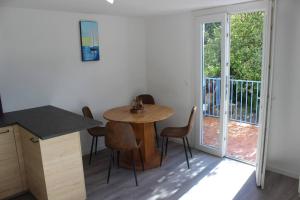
<point>4,132</point>
<point>34,140</point>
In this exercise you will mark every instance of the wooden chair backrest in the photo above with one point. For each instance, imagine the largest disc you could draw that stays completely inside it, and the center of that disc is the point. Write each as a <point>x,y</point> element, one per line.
<point>192,119</point>
<point>120,136</point>
<point>147,99</point>
<point>87,112</point>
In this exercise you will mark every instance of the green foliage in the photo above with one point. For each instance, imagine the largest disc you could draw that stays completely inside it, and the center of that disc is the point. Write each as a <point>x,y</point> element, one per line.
<point>246,47</point>
<point>212,50</point>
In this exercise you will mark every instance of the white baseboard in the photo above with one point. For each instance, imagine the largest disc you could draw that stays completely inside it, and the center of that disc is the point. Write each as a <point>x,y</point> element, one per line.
<point>283,172</point>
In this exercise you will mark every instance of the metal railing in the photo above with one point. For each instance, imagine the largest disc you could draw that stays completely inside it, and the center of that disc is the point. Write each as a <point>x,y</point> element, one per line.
<point>244,99</point>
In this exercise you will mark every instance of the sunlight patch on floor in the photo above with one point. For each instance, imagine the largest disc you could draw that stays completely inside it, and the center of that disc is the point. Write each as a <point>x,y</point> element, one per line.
<point>178,178</point>
<point>222,182</point>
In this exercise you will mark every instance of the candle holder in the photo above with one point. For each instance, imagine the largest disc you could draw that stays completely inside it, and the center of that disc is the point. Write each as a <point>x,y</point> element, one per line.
<point>137,106</point>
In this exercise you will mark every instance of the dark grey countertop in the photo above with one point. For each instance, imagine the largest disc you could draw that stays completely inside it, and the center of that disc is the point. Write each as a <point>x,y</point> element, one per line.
<point>47,121</point>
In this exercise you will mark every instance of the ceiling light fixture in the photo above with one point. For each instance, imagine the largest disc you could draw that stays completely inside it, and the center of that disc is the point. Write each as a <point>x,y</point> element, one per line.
<point>110,1</point>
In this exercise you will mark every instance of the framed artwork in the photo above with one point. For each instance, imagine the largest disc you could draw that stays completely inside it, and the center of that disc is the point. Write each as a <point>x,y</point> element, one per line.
<point>89,40</point>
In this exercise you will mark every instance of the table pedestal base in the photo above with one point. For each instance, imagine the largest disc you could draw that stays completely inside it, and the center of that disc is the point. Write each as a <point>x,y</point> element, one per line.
<point>151,155</point>
<point>125,161</point>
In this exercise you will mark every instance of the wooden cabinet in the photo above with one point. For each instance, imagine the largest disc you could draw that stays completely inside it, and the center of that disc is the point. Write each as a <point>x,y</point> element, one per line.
<point>50,169</point>
<point>54,167</point>
<point>63,168</point>
<point>11,181</point>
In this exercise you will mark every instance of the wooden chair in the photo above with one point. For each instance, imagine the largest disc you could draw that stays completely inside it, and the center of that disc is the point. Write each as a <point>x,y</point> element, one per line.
<point>148,99</point>
<point>95,132</point>
<point>179,132</point>
<point>120,137</point>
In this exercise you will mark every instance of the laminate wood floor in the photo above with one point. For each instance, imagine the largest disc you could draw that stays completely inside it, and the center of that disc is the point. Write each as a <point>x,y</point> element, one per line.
<point>209,178</point>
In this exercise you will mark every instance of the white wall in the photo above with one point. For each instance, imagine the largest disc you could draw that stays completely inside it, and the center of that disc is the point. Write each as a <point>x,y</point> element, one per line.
<point>170,63</point>
<point>40,62</point>
<point>284,145</point>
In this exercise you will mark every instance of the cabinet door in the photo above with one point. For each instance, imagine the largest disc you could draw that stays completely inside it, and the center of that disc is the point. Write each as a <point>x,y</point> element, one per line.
<point>63,169</point>
<point>33,164</point>
<point>10,181</point>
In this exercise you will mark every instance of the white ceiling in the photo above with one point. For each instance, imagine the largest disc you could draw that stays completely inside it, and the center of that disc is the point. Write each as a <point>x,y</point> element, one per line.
<point>120,7</point>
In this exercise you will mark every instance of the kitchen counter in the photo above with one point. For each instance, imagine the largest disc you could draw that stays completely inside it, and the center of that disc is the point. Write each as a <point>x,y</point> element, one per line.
<point>40,152</point>
<point>47,121</point>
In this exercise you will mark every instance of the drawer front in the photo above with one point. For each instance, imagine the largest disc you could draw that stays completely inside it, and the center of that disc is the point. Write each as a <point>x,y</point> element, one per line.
<point>10,181</point>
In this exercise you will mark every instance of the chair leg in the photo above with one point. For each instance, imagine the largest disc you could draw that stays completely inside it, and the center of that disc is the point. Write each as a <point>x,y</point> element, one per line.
<point>113,159</point>
<point>188,144</point>
<point>156,135</point>
<point>186,156</point>
<point>110,163</point>
<point>96,145</point>
<point>167,141</point>
<point>162,150</point>
<point>118,158</point>
<point>91,152</point>
<point>142,161</point>
<point>133,168</point>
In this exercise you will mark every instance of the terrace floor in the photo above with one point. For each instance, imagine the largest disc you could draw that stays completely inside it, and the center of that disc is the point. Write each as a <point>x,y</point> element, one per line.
<point>241,139</point>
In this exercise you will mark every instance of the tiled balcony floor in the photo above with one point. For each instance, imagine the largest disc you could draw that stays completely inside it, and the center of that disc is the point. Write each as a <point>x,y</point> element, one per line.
<point>242,138</point>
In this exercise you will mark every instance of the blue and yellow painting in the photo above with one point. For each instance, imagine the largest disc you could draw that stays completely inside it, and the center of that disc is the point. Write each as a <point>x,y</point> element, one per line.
<point>89,41</point>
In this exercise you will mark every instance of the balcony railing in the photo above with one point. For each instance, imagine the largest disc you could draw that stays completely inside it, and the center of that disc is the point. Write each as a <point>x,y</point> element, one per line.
<point>244,99</point>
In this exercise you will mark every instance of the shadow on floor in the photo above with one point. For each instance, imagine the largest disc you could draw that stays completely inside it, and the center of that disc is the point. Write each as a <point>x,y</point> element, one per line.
<point>209,178</point>
<point>167,182</point>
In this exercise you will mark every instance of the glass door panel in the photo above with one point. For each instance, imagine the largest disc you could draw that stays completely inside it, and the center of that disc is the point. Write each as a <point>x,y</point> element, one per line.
<point>245,85</point>
<point>211,88</point>
<point>213,72</point>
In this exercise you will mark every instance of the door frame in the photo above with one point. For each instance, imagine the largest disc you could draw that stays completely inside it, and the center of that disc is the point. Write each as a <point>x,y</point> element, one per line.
<point>200,21</point>
<point>267,73</point>
<point>268,60</point>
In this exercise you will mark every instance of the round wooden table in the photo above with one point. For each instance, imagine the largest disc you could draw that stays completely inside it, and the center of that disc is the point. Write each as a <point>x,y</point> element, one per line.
<point>143,126</point>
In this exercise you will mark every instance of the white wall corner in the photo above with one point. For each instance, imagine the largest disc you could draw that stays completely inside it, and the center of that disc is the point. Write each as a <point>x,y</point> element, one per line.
<point>299,187</point>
